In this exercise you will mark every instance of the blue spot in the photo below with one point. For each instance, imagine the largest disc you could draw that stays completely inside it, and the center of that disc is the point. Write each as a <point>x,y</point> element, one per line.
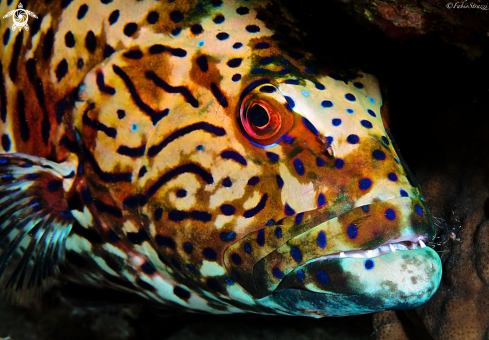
<point>176,16</point>
<point>300,275</point>
<point>365,183</point>
<point>339,163</point>
<point>299,167</point>
<point>187,247</point>
<point>290,101</point>
<point>392,176</point>
<point>260,237</point>
<point>237,45</point>
<point>259,70</point>
<point>366,124</point>
<point>200,147</point>
<point>262,45</point>
<point>322,277</point>
<point>8,177</point>
<point>293,81</point>
<point>209,254</point>
<point>321,239</point>
<point>285,62</point>
<point>253,181</point>
<point>266,60</point>
<point>200,43</point>
<point>365,208</point>
<point>267,89</point>
<point>310,70</point>
<point>368,264</point>
<point>329,140</point>
<point>320,86</point>
<point>326,103</point>
<point>288,210</point>
<point>385,140</point>
<point>229,281</point>
<point>296,254</point>
<point>298,218</point>
<point>321,202</point>
<point>278,232</point>
<point>228,209</point>
<point>419,210</point>
<point>378,154</point>
<point>305,93</point>
<point>236,259</point>
<point>233,63</point>
<point>272,156</point>
<point>134,127</point>
<point>390,214</point>
<point>236,77</point>
<point>350,97</point>
<point>191,268</point>
<point>310,126</point>
<point>350,111</point>
<point>352,139</point>
<point>320,162</point>
<point>352,231</point>
<point>358,85</point>
<point>253,28</point>
<point>219,19</point>
<point>336,122</point>
<point>227,182</point>
<point>404,193</point>
<point>222,36</point>
<point>280,181</point>
<point>371,100</point>
<point>148,268</point>
<point>3,160</point>
<point>271,222</point>
<point>277,273</point>
<point>284,71</point>
<point>54,185</point>
<point>397,161</point>
<point>247,247</point>
<point>176,31</point>
<point>370,112</point>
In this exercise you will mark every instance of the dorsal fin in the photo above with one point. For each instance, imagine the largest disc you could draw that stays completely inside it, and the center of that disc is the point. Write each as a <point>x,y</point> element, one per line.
<point>34,222</point>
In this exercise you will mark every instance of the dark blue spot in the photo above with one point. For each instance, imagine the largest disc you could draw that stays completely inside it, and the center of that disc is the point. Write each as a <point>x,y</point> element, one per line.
<point>187,247</point>
<point>392,176</point>
<point>200,147</point>
<point>253,28</point>
<point>366,124</point>
<point>236,77</point>
<point>310,126</point>
<point>290,101</point>
<point>247,247</point>
<point>228,236</point>
<point>326,103</point>
<point>209,254</point>
<point>230,154</point>
<point>350,97</point>
<point>320,162</point>
<point>321,202</point>
<point>296,254</point>
<point>253,181</point>
<point>352,139</point>
<point>390,214</point>
<point>370,112</point>
<point>419,210</point>
<point>339,163</point>
<point>385,140</point>
<point>352,231</point>
<point>259,207</point>
<point>310,70</point>
<point>365,208</point>
<point>148,268</point>
<point>299,166</point>
<point>267,89</point>
<point>277,273</point>
<point>336,121</point>
<point>164,241</point>
<point>218,19</point>
<point>7,177</point>
<point>176,16</point>
<point>3,160</point>
<point>191,268</point>
<point>365,183</point>
<point>296,55</point>
<point>229,281</point>
<point>181,293</point>
<point>320,86</point>
<point>288,210</point>
<point>329,140</point>
<point>228,209</point>
<point>260,237</point>
<point>278,232</point>
<point>284,71</point>
<point>216,3</point>
<point>6,143</point>
<point>293,81</point>
<point>242,10</point>
<point>322,277</point>
<point>235,62</point>
<point>378,154</point>
<point>222,36</point>
<point>368,264</point>
<point>271,222</point>
<point>280,181</point>
<point>176,31</point>
<point>288,139</point>
<point>181,193</point>
<point>350,111</point>
<point>237,45</point>
<point>272,156</point>
<point>266,60</point>
<point>285,62</point>
<point>404,193</point>
<point>259,70</point>
<point>298,218</point>
<point>262,45</point>
<point>358,85</point>
<point>321,239</point>
<point>158,214</point>
<point>202,63</point>
<point>196,29</point>
<point>227,182</point>
<point>54,185</point>
<point>201,216</point>
<point>300,275</point>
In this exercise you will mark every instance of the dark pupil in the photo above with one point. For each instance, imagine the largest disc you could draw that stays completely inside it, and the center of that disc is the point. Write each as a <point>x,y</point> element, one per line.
<point>258,116</point>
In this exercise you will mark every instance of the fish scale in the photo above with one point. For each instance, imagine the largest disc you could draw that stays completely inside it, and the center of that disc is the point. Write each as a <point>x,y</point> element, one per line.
<point>203,160</point>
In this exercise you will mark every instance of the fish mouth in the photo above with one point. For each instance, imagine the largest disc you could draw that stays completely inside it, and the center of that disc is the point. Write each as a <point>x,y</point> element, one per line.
<point>334,256</point>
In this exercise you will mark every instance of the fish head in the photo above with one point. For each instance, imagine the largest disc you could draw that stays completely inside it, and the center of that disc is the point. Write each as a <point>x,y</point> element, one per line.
<point>253,176</point>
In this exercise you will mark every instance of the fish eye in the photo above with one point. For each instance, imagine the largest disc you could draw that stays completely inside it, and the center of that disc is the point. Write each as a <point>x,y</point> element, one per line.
<point>264,116</point>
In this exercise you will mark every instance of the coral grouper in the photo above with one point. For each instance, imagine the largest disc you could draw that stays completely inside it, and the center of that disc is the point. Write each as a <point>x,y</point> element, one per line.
<point>186,152</point>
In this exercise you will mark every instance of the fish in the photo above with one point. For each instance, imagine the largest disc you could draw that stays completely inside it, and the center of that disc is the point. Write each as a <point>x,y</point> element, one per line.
<point>195,154</point>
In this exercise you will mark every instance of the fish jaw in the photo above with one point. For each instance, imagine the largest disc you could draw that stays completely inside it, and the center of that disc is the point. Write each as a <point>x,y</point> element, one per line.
<point>399,280</point>
<point>350,242</point>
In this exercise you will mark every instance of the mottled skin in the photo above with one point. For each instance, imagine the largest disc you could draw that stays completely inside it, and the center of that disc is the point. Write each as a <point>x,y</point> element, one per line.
<point>167,189</point>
